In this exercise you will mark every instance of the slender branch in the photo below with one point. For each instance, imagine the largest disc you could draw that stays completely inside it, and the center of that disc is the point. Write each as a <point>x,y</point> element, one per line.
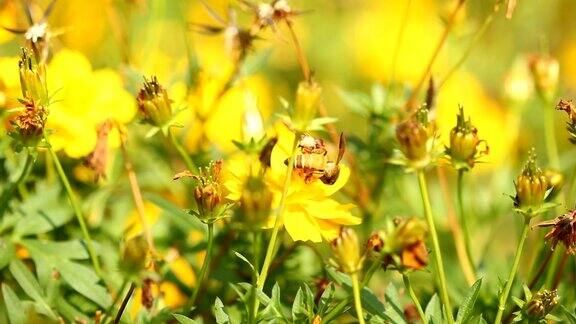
<point>124,303</point>
<point>463,221</point>
<point>408,286</point>
<point>302,61</point>
<point>75,206</point>
<point>443,37</point>
<point>439,266</point>
<point>541,269</point>
<point>357,299</point>
<point>136,194</point>
<point>506,291</point>
<point>270,251</point>
<point>205,264</point>
<point>560,272</point>
<point>182,151</point>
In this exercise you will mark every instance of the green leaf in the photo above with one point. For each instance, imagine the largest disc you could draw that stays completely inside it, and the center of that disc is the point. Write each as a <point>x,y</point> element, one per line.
<point>69,312</point>
<point>8,253</point>
<point>570,315</point>
<point>394,311</point>
<point>273,311</point>
<point>326,299</point>
<point>30,285</point>
<point>219,313</point>
<point>183,319</point>
<point>84,280</point>
<point>175,213</point>
<point>467,306</point>
<point>433,310</point>
<point>243,258</point>
<point>73,250</point>
<point>303,306</point>
<point>14,307</point>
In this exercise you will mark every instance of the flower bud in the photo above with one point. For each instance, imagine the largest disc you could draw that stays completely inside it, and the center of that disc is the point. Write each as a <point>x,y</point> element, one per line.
<point>545,72</point>
<point>134,252</point>
<point>555,182</point>
<point>531,187</point>
<point>413,139</point>
<point>255,202</point>
<point>154,105</point>
<point>375,242</point>
<point>465,146</point>
<point>32,78</point>
<point>541,304</point>
<point>409,231</point>
<point>346,250</point>
<point>28,125</point>
<point>252,125</point>
<point>308,98</point>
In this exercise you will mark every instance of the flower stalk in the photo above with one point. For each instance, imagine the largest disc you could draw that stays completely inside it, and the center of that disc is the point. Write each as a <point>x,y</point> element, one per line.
<point>76,207</point>
<point>415,300</point>
<point>438,264</point>
<point>357,300</point>
<point>463,224</point>
<point>205,264</point>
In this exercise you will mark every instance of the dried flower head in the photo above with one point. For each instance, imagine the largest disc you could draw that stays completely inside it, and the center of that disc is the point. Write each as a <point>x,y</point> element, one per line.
<point>531,188</point>
<point>147,296</point>
<point>32,78</point>
<point>570,109</point>
<point>563,230</point>
<point>208,192</point>
<point>154,105</point>
<point>269,14</point>
<point>465,146</point>
<point>346,249</point>
<point>98,159</point>
<point>28,125</point>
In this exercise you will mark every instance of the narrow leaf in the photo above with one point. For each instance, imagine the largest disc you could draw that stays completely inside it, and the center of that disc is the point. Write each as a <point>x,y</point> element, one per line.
<point>467,306</point>
<point>14,307</point>
<point>183,319</point>
<point>219,313</point>
<point>30,286</point>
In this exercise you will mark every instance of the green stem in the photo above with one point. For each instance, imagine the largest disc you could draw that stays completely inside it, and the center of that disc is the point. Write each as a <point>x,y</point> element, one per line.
<point>549,133</point>
<point>270,251</point>
<point>415,300</point>
<point>182,151</point>
<point>256,235</point>
<point>357,300</point>
<point>506,291</point>
<point>205,264</point>
<point>463,224</point>
<point>367,276</point>
<point>11,188</point>
<point>439,266</point>
<point>76,207</point>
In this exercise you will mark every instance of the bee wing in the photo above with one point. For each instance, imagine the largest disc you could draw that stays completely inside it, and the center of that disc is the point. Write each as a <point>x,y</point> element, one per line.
<point>341,147</point>
<point>14,30</point>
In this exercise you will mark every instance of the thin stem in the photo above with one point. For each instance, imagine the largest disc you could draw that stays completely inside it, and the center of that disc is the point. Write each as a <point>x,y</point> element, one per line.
<point>506,291</point>
<point>205,264</point>
<point>398,45</point>
<point>436,246</point>
<point>541,269</point>
<point>357,300</point>
<point>560,272</point>
<point>256,240</point>
<point>76,207</point>
<point>137,195</point>
<point>443,37</point>
<point>299,53</point>
<point>463,222</point>
<point>270,251</point>
<point>108,313</point>
<point>551,145</point>
<point>477,36</point>
<point>11,188</point>
<point>182,151</point>
<point>415,300</point>
<point>124,303</point>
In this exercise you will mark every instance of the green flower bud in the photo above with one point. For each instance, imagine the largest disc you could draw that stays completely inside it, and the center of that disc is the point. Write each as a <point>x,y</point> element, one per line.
<point>531,187</point>
<point>465,145</point>
<point>154,105</point>
<point>255,202</point>
<point>134,252</point>
<point>32,78</point>
<point>346,250</point>
<point>541,304</point>
<point>308,98</point>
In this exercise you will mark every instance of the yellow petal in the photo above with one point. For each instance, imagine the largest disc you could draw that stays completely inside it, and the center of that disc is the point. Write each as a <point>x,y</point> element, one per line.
<point>300,226</point>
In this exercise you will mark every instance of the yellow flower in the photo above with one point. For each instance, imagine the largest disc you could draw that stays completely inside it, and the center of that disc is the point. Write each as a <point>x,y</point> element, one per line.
<point>9,82</point>
<point>81,100</point>
<point>310,213</point>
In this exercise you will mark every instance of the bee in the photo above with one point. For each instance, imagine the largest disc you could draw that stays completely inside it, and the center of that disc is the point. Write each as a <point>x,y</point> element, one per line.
<point>312,162</point>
